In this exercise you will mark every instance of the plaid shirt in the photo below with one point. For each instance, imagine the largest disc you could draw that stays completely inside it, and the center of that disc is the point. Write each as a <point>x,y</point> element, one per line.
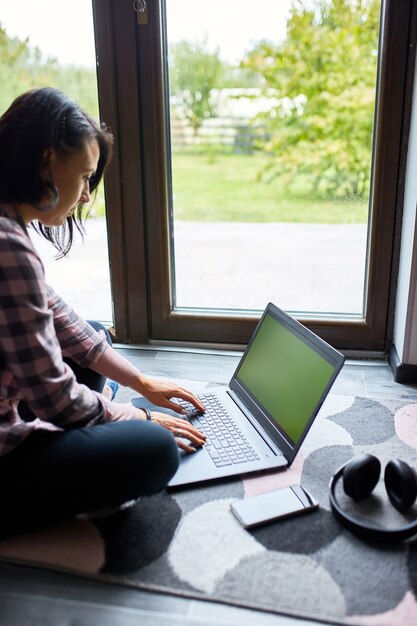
<point>36,330</point>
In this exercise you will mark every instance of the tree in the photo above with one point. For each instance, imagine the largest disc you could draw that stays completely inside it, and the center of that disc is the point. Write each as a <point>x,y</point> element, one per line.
<point>22,67</point>
<point>13,54</point>
<point>194,72</point>
<point>324,76</point>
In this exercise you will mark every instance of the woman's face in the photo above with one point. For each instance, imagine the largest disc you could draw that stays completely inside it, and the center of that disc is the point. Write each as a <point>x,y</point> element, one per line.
<point>71,175</point>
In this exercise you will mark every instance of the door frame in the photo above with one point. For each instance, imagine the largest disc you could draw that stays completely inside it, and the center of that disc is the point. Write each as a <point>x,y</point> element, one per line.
<point>132,99</point>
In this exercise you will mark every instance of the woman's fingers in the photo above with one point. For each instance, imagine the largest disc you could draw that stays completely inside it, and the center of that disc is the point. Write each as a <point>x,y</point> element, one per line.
<point>174,406</point>
<point>190,397</point>
<point>161,392</point>
<point>180,428</point>
<point>184,446</point>
<point>187,431</point>
<point>184,395</point>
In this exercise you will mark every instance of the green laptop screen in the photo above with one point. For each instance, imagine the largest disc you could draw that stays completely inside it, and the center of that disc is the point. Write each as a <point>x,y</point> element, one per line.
<point>286,375</point>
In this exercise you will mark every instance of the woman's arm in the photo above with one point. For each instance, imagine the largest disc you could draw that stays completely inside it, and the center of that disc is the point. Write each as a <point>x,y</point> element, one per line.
<point>84,345</point>
<point>28,342</point>
<point>113,365</point>
<point>78,340</point>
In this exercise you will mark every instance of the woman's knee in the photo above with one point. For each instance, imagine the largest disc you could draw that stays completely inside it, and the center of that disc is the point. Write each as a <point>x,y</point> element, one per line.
<point>145,455</point>
<point>98,326</point>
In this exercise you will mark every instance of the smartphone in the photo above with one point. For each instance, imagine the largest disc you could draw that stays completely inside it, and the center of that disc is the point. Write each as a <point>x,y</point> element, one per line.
<point>274,505</point>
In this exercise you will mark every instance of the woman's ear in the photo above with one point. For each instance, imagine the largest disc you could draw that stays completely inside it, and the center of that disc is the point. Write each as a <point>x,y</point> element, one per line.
<point>50,189</point>
<point>49,156</point>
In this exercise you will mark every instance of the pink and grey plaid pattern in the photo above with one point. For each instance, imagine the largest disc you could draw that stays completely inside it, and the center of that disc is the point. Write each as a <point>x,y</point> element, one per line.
<point>36,330</point>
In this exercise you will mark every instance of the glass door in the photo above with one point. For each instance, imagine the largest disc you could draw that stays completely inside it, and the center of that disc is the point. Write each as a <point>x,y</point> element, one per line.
<point>260,151</point>
<point>271,114</point>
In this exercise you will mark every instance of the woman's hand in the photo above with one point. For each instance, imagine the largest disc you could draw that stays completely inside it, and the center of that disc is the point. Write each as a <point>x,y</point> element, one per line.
<point>161,392</point>
<point>181,429</point>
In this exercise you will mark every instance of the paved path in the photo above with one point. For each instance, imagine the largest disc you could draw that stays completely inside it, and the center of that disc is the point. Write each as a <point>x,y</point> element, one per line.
<point>312,267</point>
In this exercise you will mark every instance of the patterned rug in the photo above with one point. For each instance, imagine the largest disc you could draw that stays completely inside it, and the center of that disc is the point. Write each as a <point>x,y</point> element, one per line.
<point>189,543</point>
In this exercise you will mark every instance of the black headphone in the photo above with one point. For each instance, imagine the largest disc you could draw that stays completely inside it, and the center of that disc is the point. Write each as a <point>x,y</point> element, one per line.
<point>360,475</point>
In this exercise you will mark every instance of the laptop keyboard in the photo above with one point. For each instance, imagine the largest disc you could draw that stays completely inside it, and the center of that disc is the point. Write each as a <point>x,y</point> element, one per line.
<point>225,442</point>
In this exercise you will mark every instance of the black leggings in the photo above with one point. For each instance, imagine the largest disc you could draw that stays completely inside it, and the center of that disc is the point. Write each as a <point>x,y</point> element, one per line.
<point>53,476</point>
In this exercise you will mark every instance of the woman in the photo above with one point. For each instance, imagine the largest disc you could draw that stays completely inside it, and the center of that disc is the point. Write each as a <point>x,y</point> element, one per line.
<point>65,448</point>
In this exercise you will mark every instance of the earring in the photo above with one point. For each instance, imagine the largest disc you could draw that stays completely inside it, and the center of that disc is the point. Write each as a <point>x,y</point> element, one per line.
<point>54,197</point>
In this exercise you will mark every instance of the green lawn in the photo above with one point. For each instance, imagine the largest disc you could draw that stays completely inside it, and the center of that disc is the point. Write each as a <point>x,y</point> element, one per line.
<point>222,187</point>
<point>225,188</point>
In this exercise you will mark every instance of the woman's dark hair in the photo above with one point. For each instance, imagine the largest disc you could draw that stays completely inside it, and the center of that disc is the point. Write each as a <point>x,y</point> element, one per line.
<point>37,121</point>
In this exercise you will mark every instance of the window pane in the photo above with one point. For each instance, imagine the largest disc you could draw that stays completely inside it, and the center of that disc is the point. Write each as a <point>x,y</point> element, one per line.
<point>271,128</point>
<point>36,54</point>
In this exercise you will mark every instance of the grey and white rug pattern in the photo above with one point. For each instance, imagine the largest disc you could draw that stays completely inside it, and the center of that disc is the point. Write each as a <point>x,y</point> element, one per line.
<point>189,542</point>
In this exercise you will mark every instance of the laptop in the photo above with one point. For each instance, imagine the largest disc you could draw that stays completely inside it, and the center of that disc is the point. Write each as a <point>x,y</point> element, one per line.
<point>259,421</point>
